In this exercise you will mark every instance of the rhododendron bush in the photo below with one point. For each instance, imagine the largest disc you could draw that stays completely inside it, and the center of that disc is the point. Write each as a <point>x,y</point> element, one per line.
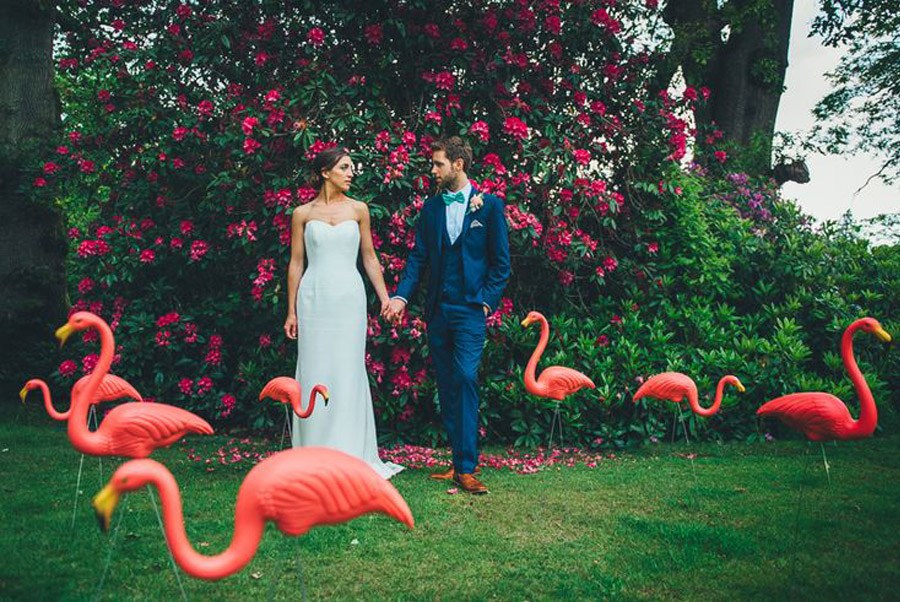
<point>189,127</point>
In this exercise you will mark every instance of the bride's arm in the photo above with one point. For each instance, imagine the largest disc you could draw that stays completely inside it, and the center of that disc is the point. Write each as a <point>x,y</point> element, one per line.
<point>369,256</point>
<point>295,270</point>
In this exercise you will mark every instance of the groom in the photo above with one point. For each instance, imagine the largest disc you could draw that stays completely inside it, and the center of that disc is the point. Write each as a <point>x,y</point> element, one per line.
<point>461,239</point>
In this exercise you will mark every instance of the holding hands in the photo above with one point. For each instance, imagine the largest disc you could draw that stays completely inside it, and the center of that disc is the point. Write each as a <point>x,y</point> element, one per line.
<point>392,310</point>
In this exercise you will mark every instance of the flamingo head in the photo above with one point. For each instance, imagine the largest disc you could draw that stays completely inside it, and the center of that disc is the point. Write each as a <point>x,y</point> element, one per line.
<point>322,390</point>
<point>80,320</point>
<point>132,475</point>
<point>532,317</point>
<point>872,326</point>
<point>31,385</point>
<point>735,382</point>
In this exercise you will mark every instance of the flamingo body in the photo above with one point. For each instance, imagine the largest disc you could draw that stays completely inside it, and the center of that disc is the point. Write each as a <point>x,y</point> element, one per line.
<point>554,382</point>
<point>296,489</point>
<point>675,387</point>
<point>131,429</point>
<point>111,388</point>
<point>819,416</point>
<point>134,430</point>
<point>285,389</point>
<point>824,417</point>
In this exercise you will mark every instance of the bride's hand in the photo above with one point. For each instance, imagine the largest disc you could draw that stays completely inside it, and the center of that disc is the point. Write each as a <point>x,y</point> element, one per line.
<point>290,327</point>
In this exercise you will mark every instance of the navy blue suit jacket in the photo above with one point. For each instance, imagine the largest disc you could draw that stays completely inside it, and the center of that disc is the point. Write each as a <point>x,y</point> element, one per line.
<point>485,252</point>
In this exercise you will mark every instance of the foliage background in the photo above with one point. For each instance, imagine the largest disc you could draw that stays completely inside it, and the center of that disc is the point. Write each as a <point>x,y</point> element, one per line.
<point>188,128</point>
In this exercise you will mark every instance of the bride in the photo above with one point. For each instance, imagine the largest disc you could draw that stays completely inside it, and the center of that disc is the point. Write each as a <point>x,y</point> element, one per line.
<point>330,300</point>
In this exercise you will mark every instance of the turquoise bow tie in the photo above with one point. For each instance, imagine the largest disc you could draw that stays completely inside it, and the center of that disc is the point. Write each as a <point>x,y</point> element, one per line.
<point>453,197</point>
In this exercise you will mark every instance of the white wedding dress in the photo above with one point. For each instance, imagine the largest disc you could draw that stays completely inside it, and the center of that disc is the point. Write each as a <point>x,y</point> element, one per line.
<point>331,310</point>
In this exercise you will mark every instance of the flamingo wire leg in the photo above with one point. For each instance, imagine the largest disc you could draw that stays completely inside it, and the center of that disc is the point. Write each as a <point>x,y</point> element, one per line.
<point>77,490</point>
<point>556,420</point>
<point>92,421</point>
<point>303,596</point>
<point>825,461</point>
<point>166,539</point>
<point>112,543</point>
<point>286,429</point>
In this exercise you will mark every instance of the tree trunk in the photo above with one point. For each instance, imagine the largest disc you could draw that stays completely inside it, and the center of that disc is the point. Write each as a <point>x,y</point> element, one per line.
<point>32,243</point>
<point>745,73</point>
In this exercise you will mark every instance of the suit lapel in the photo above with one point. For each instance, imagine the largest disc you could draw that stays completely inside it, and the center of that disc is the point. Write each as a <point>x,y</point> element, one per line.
<point>469,215</point>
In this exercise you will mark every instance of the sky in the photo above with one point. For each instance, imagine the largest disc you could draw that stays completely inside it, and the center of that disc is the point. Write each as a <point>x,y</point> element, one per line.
<point>834,179</point>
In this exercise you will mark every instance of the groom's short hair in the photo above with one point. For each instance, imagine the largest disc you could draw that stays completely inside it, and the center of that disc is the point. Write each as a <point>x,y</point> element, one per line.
<point>455,148</point>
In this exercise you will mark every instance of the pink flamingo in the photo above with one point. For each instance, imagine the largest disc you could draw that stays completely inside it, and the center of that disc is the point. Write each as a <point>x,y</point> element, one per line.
<point>675,386</point>
<point>285,389</point>
<point>111,388</point>
<point>555,382</point>
<point>296,489</point>
<point>824,417</point>
<point>132,430</point>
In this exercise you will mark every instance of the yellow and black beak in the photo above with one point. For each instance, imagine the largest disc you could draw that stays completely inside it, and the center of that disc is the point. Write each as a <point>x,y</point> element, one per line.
<point>63,333</point>
<point>325,396</point>
<point>526,322</point>
<point>104,504</point>
<point>23,393</point>
<point>883,335</point>
<point>740,386</point>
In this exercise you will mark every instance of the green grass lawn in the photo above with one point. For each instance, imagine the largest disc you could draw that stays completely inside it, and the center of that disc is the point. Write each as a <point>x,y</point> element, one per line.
<point>756,521</point>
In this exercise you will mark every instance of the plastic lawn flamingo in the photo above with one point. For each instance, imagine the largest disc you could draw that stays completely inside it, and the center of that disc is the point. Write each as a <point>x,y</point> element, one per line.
<point>675,386</point>
<point>132,430</point>
<point>555,382</point>
<point>286,390</point>
<point>296,489</point>
<point>824,417</point>
<point>111,388</point>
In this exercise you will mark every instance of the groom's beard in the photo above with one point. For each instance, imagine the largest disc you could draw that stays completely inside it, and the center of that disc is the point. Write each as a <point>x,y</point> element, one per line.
<point>450,184</point>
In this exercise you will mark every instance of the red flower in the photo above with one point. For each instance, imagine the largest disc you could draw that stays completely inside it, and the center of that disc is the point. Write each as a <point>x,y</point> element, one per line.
<point>515,127</point>
<point>315,36</point>
<point>248,124</point>
<point>582,156</point>
<point>198,250</point>
<point>50,168</point>
<point>186,386</point>
<point>167,319</point>
<point>251,146</point>
<point>374,34</point>
<point>85,286</point>
<point>39,182</point>
<point>444,80</point>
<point>179,133</point>
<point>67,368</point>
<point>205,108</point>
<point>721,157</point>
<point>480,129</point>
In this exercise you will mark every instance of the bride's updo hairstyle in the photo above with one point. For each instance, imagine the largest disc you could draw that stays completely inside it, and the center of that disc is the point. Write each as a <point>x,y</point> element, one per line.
<point>325,161</point>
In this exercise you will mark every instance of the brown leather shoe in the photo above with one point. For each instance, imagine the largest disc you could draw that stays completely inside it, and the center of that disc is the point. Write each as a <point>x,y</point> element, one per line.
<point>448,474</point>
<point>469,483</point>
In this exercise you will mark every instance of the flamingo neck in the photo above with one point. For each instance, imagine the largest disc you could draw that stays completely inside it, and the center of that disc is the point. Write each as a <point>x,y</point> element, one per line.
<point>868,414</point>
<point>717,401</point>
<point>48,403</point>
<point>530,379</point>
<point>248,532</point>
<point>301,413</point>
<point>82,439</point>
